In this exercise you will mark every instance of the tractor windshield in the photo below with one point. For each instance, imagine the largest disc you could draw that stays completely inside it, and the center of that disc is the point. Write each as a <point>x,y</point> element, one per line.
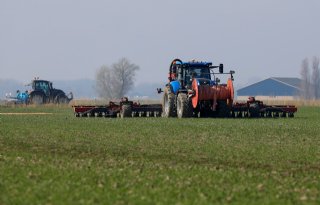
<point>196,72</point>
<point>42,85</point>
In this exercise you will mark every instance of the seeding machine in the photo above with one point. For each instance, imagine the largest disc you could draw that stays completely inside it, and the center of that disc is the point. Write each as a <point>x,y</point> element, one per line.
<point>123,108</point>
<point>193,90</point>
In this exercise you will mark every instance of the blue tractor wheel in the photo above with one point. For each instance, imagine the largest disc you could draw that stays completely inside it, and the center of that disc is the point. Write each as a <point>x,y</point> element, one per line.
<point>168,104</point>
<point>62,99</point>
<point>184,106</point>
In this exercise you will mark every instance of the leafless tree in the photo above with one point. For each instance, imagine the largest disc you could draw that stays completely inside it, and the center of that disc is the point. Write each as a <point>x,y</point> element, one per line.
<point>104,85</point>
<point>305,79</point>
<point>315,78</point>
<point>114,82</point>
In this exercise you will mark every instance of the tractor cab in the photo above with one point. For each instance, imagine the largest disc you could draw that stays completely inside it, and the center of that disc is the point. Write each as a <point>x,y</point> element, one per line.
<point>191,70</point>
<point>42,85</point>
<point>181,74</point>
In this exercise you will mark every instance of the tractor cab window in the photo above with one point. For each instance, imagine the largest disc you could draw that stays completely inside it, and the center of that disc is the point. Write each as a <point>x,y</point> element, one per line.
<point>42,85</point>
<point>191,73</point>
<point>37,86</point>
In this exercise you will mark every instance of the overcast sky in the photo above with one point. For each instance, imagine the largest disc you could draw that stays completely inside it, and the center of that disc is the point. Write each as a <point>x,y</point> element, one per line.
<point>71,39</point>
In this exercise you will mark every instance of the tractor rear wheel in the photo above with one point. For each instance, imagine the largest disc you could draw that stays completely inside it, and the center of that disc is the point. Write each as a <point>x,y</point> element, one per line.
<point>62,99</point>
<point>126,111</point>
<point>37,99</point>
<point>168,104</point>
<point>184,106</point>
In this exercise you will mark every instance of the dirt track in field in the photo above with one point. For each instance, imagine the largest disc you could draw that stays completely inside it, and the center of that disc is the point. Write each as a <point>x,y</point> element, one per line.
<point>25,113</point>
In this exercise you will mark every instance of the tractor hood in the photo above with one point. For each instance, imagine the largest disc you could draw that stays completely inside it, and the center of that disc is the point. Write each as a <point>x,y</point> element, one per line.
<point>57,91</point>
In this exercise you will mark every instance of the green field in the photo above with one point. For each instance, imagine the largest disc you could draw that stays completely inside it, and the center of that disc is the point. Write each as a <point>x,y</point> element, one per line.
<point>60,159</point>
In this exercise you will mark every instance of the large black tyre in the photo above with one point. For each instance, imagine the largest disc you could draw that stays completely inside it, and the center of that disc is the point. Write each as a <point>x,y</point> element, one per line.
<point>37,99</point>
<point>126,111</point>
<point>223,110</point>
<point>168,108</point>
<point>254,110</point>
<point>184,106</point>
<point>62,99</point>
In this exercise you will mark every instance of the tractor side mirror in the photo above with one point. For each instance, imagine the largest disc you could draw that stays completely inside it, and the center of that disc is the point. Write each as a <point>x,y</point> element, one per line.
<point>221,68</point>
<point>231,73</point>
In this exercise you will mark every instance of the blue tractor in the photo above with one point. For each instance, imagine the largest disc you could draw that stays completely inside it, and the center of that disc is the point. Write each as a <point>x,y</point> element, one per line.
<point>193,90</point>
<point>43,92</point>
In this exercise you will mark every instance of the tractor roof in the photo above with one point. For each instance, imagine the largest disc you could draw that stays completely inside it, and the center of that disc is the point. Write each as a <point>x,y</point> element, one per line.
<point>37,80</point>
<point>196,64</point>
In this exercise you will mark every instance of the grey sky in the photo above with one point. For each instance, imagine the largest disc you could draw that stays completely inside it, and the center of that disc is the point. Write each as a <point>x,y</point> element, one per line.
<point>65,39</point>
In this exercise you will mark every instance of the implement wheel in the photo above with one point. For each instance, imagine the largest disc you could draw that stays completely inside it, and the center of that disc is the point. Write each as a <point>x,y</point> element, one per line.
<point>184,106</point>
<point>168,104</point>
<point>254,110</point>
<point>223,109</point>
<point>126,111</point>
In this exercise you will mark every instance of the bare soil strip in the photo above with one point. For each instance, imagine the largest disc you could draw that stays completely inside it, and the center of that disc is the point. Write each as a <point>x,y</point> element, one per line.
<point>25,113</point>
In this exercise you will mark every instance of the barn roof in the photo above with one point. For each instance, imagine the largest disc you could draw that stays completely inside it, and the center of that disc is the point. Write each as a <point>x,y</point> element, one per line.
<point>274,86</point>
<point>294,82</point>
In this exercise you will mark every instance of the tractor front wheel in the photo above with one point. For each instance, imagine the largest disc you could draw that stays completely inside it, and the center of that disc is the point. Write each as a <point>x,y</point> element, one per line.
<point>184,106</point>
<point>168,104</point>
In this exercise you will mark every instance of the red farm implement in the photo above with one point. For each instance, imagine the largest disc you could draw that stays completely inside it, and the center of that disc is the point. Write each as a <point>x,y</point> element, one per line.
<point>256,108</point>
<point>123,108</point>
<point>193,90</point>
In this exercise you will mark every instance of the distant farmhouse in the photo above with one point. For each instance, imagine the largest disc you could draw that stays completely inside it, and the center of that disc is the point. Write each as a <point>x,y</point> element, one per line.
<point>272,89</point>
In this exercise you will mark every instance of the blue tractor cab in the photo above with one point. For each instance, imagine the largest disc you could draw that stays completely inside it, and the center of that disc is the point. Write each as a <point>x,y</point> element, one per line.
<point>181,74</point>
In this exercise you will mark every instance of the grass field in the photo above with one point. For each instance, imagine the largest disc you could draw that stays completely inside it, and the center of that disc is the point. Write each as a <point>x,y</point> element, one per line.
<point>60,159</point>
